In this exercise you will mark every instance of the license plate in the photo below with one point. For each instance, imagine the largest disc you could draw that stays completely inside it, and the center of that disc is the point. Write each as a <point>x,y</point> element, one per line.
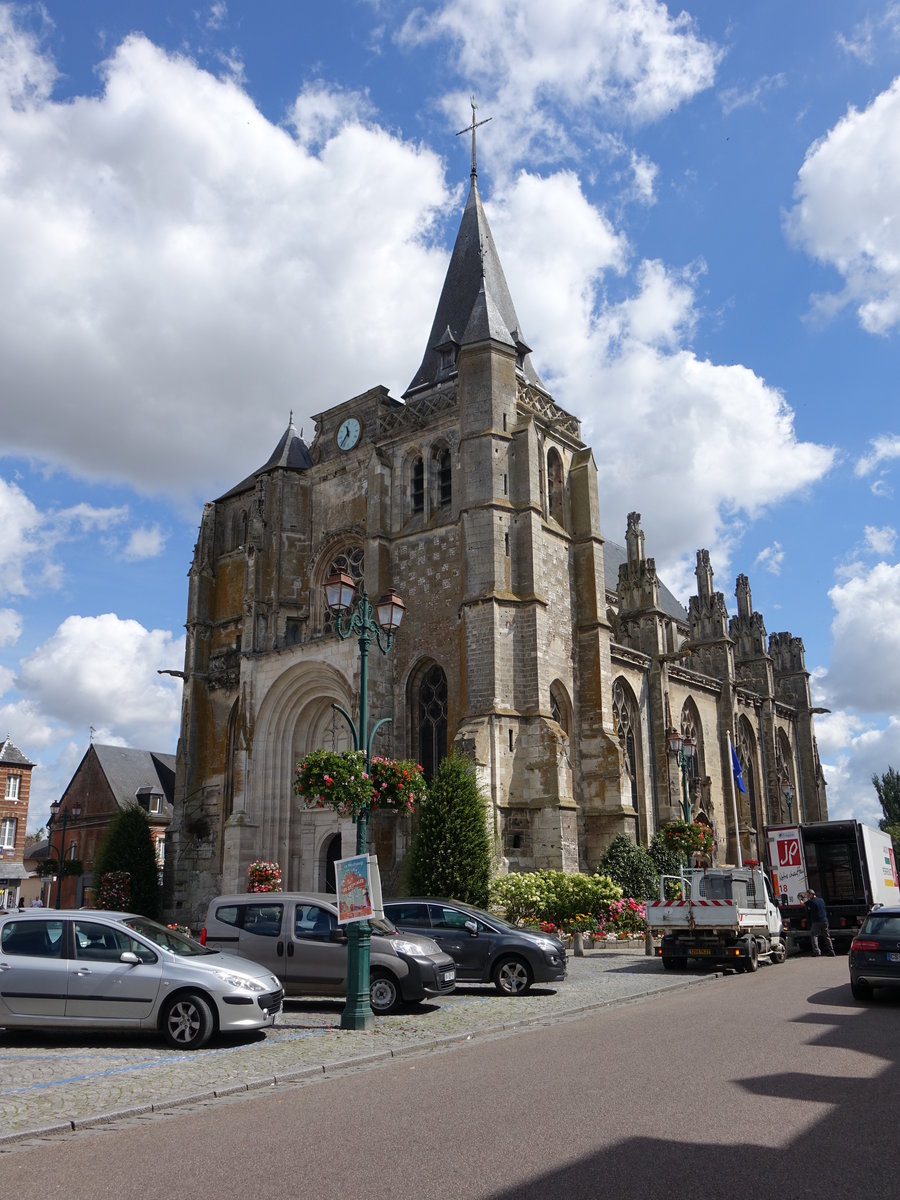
<point>700,950</point>
<point>448,976</point>
<point>893,958</point>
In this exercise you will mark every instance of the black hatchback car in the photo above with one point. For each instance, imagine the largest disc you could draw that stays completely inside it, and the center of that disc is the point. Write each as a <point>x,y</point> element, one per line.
<point>875,953</point>
<point>485,948</point>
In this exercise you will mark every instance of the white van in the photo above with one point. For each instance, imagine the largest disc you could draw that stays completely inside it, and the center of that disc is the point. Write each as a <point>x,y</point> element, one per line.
<point>297,937</point>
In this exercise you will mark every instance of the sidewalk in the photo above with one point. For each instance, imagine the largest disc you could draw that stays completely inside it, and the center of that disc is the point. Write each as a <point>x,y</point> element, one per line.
<point>58,1082</point>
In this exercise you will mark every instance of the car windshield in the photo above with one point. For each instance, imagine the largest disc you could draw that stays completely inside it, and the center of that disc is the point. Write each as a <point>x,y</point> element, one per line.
<point>382,925</point>
<point>167,939</point>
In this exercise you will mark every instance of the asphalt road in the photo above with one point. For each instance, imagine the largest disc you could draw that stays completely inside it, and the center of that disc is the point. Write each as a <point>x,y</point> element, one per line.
<point>771,1085</point>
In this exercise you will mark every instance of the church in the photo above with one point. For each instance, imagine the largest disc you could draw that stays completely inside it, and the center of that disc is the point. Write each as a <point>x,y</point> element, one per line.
<point>553,657</point>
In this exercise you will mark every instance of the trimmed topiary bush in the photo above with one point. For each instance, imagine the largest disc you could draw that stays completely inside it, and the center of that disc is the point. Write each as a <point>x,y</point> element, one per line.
<point>451,851</point>
<point>127,846</point>
<point>631,867</point>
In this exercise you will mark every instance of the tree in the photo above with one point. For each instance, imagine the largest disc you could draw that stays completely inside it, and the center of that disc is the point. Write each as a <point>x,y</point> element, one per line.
<point>127,845</point>
<point>451,851</point>
<point>631,867</point>
<point>887,787</point>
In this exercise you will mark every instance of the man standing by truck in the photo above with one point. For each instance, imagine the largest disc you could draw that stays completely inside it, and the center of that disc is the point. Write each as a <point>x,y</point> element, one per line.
<point>818,924</point>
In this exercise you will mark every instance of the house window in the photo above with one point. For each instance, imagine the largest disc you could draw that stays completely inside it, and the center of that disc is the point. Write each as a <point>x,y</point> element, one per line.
<point>8,833</point>
<point>156,804</point>
<point>13,785</point>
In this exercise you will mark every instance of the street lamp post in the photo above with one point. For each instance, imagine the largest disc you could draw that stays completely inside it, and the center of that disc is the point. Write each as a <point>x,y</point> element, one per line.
<point>354,613</point>
<point>787,790</point>
<point>63,821</point>
<point>683,750</point>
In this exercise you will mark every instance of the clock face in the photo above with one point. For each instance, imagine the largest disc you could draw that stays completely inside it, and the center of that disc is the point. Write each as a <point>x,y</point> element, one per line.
<point>348,433</point>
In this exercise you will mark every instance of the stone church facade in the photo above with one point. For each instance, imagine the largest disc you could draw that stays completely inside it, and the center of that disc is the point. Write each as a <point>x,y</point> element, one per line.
<point>553,657</point>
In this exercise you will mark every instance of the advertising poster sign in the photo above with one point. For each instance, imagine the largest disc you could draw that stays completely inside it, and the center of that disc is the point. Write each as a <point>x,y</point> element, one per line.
<point>354,889</point>
<point>786,860</point>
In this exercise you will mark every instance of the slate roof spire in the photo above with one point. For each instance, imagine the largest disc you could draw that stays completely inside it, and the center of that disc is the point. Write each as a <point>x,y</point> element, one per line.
<point>291,453</point>
<point>475,302</point>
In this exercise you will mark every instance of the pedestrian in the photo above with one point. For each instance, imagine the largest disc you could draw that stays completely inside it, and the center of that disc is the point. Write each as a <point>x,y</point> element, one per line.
<point>37,902</point>
<point>818,924</point>
<point>21,903</point>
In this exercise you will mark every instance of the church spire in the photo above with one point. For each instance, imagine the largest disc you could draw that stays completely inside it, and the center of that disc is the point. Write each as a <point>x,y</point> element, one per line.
<point>475,125</point>
<point>475,302</point>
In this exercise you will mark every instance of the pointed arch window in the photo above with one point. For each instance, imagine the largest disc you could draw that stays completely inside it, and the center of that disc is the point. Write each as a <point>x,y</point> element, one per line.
<point>441,471</point>
<point>555,487</point>
<point>691,727</point>
<point>431,720</point>
<point>350,559</point>
<point>627,723</point>
<point>417,486</point>
<point>746,752</point>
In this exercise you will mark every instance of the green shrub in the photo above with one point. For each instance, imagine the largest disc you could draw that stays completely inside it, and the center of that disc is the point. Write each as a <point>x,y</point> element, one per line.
<point>451,850</point>
<point>554,897</point>
<point>631,867</point>
<point>127,846</point>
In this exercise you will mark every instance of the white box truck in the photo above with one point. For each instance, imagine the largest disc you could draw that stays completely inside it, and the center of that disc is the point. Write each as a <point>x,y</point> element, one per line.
<point>850,865</point>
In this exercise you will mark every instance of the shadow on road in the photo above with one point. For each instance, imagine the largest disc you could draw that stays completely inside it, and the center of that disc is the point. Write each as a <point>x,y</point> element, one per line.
<point>848,1153</point>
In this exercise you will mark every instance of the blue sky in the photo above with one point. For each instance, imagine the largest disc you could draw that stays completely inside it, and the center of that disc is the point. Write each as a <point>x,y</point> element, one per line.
<point>211,216</point>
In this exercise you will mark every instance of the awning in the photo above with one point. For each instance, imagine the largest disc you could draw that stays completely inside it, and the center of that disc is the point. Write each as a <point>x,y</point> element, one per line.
<point>12,872</point>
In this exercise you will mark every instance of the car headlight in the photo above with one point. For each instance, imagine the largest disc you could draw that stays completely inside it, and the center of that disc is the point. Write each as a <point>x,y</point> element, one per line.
<point>548,946</point>
<point>411,949</point>
<point>240,981</point>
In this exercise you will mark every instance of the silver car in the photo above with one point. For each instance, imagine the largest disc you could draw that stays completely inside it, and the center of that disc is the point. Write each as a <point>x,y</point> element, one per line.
<point>101,970</point>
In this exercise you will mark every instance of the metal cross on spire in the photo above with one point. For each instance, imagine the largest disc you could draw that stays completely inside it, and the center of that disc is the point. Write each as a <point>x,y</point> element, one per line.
<point>473,127</point>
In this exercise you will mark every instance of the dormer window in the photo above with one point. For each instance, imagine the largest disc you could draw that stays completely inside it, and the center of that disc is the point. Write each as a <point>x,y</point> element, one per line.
<point>149,800</point>
<point>447,358</point>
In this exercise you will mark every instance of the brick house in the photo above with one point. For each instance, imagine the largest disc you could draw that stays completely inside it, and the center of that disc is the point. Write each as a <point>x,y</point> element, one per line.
<point>107,780</point>
<point>15,791</point>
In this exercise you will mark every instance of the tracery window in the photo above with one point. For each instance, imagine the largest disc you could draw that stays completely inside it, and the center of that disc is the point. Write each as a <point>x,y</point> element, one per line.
<point>350,560</point>
<point>440,465</point>
<point>431,711</point>
<point>627,723</point>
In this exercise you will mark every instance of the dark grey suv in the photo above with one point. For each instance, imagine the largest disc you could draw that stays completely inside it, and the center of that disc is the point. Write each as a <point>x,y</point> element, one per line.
<point>485,948</point>
<point>875,952</point>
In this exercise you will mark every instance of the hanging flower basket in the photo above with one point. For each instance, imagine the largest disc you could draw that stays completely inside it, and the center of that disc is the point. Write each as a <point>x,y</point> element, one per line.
<point>263,876</point>
<point>687,838</point>
<point>326,779</point>
<point>397,784</point>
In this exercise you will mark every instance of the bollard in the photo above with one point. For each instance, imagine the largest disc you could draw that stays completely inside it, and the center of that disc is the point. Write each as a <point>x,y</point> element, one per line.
<point>649,947</point>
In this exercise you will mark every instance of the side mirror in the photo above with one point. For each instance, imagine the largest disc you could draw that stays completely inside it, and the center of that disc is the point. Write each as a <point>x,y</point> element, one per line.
<point>472,927</point>
<point>129,956</point>
<point>338,934</point>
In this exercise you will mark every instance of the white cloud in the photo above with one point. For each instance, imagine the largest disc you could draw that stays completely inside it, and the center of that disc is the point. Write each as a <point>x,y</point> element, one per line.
<point>20,522</point>
<point>771,558</point>
<point>542,69</point>
<point>10,626</point>
<point>885,449</point>
<point>880,541</point>
<point>724,445</point>
<point>102,671</point>
<point>752,96</point>
<point>871,34</point>
<point>320,112</point>
<point>147,542</point>
<point>852,751</point>
<point>866,641</point>
<point>159,245</point>
<point>847,196</point>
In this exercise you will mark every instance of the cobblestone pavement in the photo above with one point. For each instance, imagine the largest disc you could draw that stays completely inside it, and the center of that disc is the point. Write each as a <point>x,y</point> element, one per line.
<point>57,1082</point>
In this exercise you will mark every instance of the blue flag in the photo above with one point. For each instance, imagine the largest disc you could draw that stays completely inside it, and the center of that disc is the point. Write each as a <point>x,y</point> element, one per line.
<point>738,774</point>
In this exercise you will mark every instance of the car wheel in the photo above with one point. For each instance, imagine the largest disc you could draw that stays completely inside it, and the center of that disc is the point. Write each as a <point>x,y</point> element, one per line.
<point>860,990</point>
<point>512,976</point>
<point>751,962</point>
<point>187,1022</point>
<point>384,994</point>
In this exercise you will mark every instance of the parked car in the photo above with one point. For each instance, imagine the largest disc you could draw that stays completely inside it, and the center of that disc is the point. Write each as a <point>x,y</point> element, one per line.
<point>875,952</point>
<point>102,970</point>
<point>485,948</point>
<point>297,936</point>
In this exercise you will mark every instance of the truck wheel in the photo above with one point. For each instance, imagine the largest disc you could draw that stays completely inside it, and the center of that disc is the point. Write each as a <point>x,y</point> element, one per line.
<point>779,953</point>
<point>670,962</point>
<point>751,962</point>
